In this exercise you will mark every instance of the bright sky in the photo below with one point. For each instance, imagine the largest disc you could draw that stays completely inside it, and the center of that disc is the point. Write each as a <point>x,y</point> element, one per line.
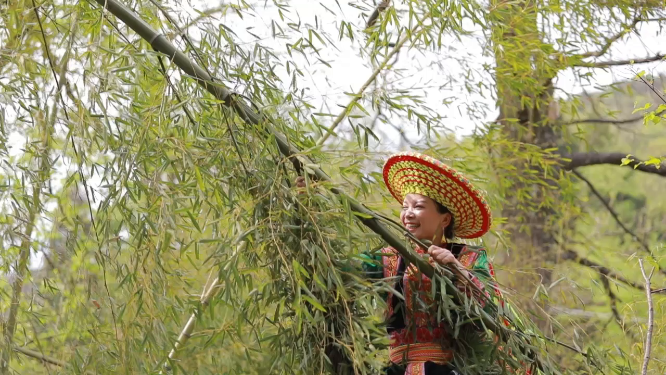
<point>349,71</point>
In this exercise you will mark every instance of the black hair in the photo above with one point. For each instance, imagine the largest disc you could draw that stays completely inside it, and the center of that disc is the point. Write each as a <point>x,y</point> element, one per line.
<point>448,231</point>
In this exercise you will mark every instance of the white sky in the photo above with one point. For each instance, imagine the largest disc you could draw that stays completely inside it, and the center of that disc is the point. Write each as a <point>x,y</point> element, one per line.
<point>349,71</point>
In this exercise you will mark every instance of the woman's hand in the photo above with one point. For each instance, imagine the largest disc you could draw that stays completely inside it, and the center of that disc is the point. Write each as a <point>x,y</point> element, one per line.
<point>443,256</point>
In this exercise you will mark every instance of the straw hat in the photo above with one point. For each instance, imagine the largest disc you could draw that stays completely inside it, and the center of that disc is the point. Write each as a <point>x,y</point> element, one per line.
<point>410,172</point>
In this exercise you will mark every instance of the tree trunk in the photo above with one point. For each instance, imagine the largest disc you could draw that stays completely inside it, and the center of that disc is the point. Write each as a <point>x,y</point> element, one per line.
<point>524,95</point>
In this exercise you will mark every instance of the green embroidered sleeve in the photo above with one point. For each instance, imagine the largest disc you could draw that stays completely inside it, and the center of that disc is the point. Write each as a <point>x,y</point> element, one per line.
<point>481,270</point>
<point>372,265</point>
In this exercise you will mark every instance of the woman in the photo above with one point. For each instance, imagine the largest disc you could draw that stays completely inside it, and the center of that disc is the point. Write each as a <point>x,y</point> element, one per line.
<point>436,202</point>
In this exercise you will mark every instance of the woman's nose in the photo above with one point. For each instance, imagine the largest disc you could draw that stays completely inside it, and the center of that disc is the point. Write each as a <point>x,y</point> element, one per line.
<point>409,213</point>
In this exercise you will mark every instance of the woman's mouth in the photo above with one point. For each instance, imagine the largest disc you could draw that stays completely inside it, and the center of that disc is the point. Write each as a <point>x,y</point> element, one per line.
<point>411,227</point>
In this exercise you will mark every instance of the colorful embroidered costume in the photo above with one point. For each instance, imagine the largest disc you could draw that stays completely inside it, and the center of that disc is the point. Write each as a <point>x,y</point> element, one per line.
<point>419,342</point>
<point>416,337</point>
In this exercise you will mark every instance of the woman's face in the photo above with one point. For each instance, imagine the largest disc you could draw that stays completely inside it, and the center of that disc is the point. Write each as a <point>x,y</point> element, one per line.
<point>421,218</point>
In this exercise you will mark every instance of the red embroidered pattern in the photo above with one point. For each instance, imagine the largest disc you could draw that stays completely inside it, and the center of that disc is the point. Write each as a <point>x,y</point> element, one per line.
<point>420,334</point>
<point>415,369</point>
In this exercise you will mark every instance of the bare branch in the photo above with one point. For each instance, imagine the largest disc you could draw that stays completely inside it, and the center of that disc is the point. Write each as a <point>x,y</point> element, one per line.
<point>648,339</point>
<point>612,212</point>
<point>613,305</point>
<point>572,255</point>
<point>375,14</point>
<point>651,86</point>
<point>606,64</point>
<point>609,42</point>
<point>583,159</point>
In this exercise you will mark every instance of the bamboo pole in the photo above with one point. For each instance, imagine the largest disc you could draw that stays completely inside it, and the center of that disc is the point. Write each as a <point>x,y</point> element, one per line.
<point>189,326</point>
<point>161,44</point>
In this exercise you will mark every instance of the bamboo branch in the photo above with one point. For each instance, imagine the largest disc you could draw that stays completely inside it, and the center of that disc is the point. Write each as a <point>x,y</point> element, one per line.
<point>367,83</point>
<point>26,24</point>
<point>40,356</point>
<point>159,43</point>
<point>21,273</point>
<point>205,14</point>
<point>375,14</point>
<point>648,339</point>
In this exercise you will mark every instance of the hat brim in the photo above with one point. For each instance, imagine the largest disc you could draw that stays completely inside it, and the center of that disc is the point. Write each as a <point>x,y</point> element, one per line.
<point>410,172</point>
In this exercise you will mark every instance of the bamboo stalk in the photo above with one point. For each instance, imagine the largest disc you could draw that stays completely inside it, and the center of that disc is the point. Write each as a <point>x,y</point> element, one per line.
<point>189,326</point>
<point>159,42</point>
<point>650,326</point>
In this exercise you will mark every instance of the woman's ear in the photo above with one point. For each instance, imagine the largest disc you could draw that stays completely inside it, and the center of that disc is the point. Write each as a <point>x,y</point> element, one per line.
<point>446,220</point>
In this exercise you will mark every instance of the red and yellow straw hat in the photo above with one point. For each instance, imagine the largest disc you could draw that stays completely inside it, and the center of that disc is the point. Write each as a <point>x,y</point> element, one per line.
<point>409,172</point>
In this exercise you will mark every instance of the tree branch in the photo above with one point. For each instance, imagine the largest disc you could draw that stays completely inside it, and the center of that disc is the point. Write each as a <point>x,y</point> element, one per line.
<point>583,159</point>
<point>605,64</point>
<point>612,121</point>
<point>648,339</point>
<point>613,39</point>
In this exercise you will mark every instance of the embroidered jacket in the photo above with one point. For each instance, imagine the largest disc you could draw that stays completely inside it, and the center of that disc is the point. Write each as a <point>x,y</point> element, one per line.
<point>416,335</point>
